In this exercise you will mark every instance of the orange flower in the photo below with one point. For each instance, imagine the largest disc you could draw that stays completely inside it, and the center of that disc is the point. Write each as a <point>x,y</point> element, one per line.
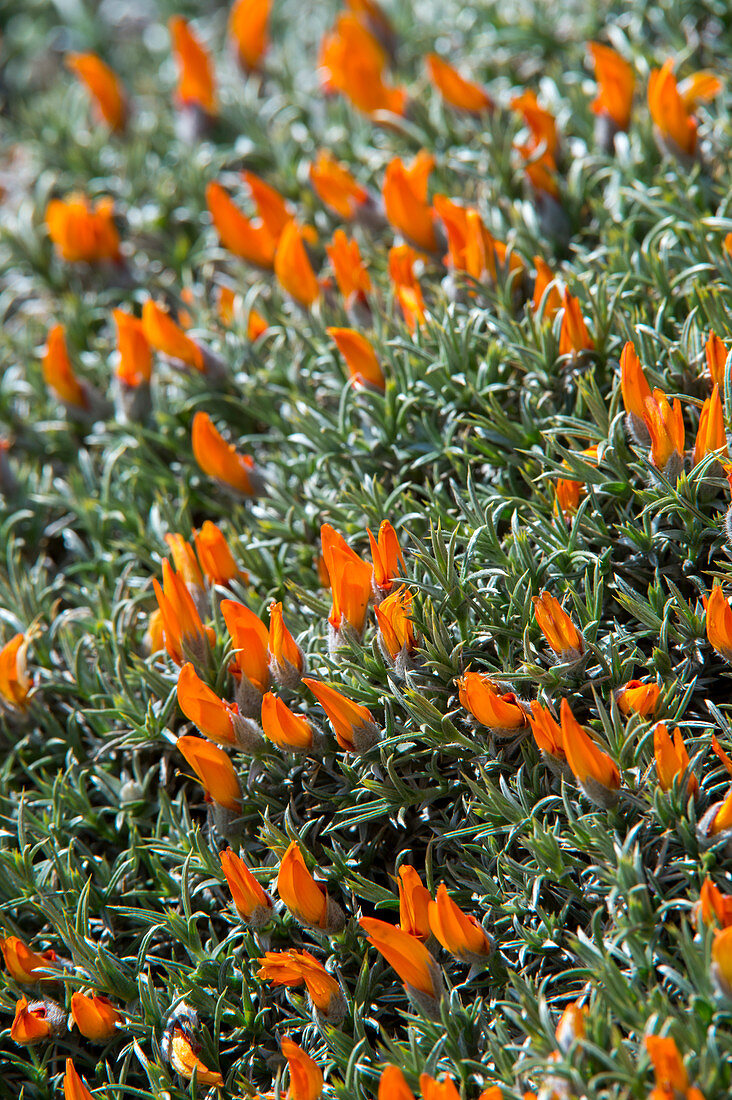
<point>721,754</point>
<point>666,428</point>
<point>15,683</point>
<point>286,659</point>
<point>226,305</point>
<point>672,760</point>
<point>293,268</point>
<point>568,495</point>
<point>396,633</point>
<point>354,725</point>
<point>438,1090</point>
<point>540,122</point>
<point>350,581</point>
<point>414,903</point>
<point>545,284</point>
<point>558,629</point>
<point>713,905</point>
<point>82,233</point>
<point>363,365</point>
<point>22,964</point>
<point>214,770</point>
<point>407,290</point>
<point>671,116</point>
<point>711,435</point>
<point>616,83</point>
<point>386,554</point>
<point>596,773</point>
<point>721,969</point>
<point>718,818</point>
<point>58,373</point>
<point>458,932</point>
<point>410,958</point>
<point>35,1021</point>
<point>502,714</point>
<point>350,274</point>
<point>248,29</point>
<point>216,719</point>
<point>285,729</point>
<point>306,1079</point>
<point>571,1026</point>
<point>637,697</point>
<point>293,968</point>
<point>392,1085</point>
<point>471,247</point>
<point>135,358</point>
<point>103,85</point>
<point>95,1017</point>
<point>252,903</point>
<point>336,187</point>
<point>716,353</point>
<point>573,336</point>
<point>405,199</point>
<point>548,736</point>
<point>185,563</point>
<point>196,85</point>
<point>251,640</point>
<point>215,557</point>
<point>154,639</point>
<point>271,206</point>
<point>221,460</point>
<point>668,1067</point>
<point>352,63</point>
<point>541,171</point>
<point>74,1087</point>
<point>185,1061</point>
<point>185,637</point>
<point>239,234</point>
<point>633,383</point>
<point>160,330</point>
<point>719,623</point>
<point>464,94</point>
<point>307,901</point>
<point>256,325</point>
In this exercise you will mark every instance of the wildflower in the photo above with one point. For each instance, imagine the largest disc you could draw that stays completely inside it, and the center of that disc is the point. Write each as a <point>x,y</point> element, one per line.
<point>288,731</point>
<point>616,83</point>
<point>503,715</point>
<point>293,968</point>
<point>595,772</point>
<point>103,85</point>
<point>336,187</point>
<point>568,491</point>
<point>82,233</point>
<point>719,623</point>
<point>248,29</point>
<point>455,89</point>
<point>307,901</point>
<point>711,435</point>
<point>713,905</point>
<point>414,903</point>
<point>352,62</point>
<point>558,629</point>
<point>35,1021</point>
<point>293,268</point>
<point>214,770</point>
<point>386,554</point>
<point>719,752</point>
<point>438,1090</point>
<point>306,1079</point>
<point>471,247</point>
<point>196,85</point>
<point>15,683</point>
<point>635,390</point>
<point>363,365</point>
<point>272,207</point>
<point>154,639</point>
<point>573,336</point>
<point>242,237</point>
<point>396,634</point>
<point>350,274</point>
<point>221,460</point>
<point>23,964</point>
<point>161,331</point>
<point>548,736</point>
<point>215,556</point>
<point>95,1016</point>
<point>186,566</point>
<point>185,1061</point>
<point>721,969</point>
<point>286,659</point>
<point>414,964</point>
<point>672,759</point>
<point>350,583</point>
<point>250,667</point>
<point>675,125</point>
<point>405,199</point>
<point>392,1085</point>
<point>715,351</point>
<point>571,1026</point>
<point>183,631</point>
<point>665,426</point>
<point>717,819</point>
<point>252,903</point>
<point>540,122</point>
<point>458,932</point>
<point>671,1076</point>
<point>74,1087</point>
<point>216,719</point>
<point>545,290</point>
<point>256,325</point>
<point>134,367</point>
<point>407,290</point>
<point>58,373</point>
<point>637,697</point>
<point>353,724</point>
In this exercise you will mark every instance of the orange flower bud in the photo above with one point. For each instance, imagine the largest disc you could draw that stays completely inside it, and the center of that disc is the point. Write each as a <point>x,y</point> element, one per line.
<point>386,554</point>
<point>251,641</point>
<point>548,736</point>
<point>571,1027</point>
<point>196,84</point>
<point>135,357</point>
<point>675,124</point>
<point>336,188</point>
<point>405,199</point>
<point>573,336</point>
<point>616,83</point>
<point>407,290</point>
<point>294,968</point>
<point>633,383</point>
<point>455,89</point>
<point>183,631</point>
<point>293,268</point>
<point>672,760</point>
<point>637,697</point>
<point>396,633</point>
<point>541,171</point>
<point>306,1079</point>
<point>711,435</point>
<point>558,629</point>
<point>215,557</point>
<point>58,374</point>
<point>82,233</point>
<point>271,206</point>
<point>545,284</point>
<point>414,964</point>
<point>248,29</point>
<point>348,267</point>
<point>252,903</point>
<point>286,659</point>
<point>363,365</point>
<point>596,773</point>
<point>540,122</point>
<point>103,85</point>
<point>503,715</point>
<point>95,1017</point>
<point>288,731</point>
<point>667,1064</point>
<point>438,1090</point>
<point>352,62</point>
<point>350,582</point>
<point>307,901</point>
<point>250,242</point>
<point>713,905</point>
<point>721,969</point>
<point>719,752</point>
<point>166,336</point>
<point>354,725</point>
<point>392,1085</point>
<point>717,819</point>
<point>715,351</point>
<point>22,964</point>
<point>74,1087</point>
<point>216,719</point>
<point>568,495</point>
<point>221,460</point>
<point>414,903</point>
<point>184,1060</point>
<point>214,770</point>
<point>185,562</point>
<point>471,247</point>
<point>458,932</point>
<point>154,639</point>
<point>36,1021</point>
<point>15,683</point>
<point>719,623</point>
<point>256,325</point>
